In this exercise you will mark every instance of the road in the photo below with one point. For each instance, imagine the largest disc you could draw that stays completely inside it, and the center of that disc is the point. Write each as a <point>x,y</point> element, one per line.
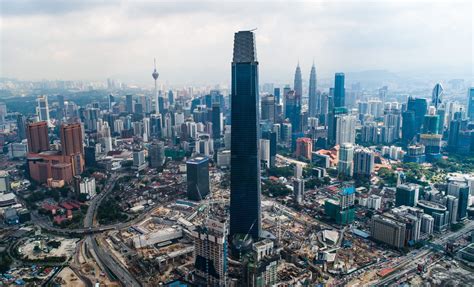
<point>105,259</point>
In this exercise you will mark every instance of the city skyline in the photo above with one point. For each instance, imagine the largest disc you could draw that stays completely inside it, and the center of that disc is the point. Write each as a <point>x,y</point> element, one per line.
<point>120,39</point>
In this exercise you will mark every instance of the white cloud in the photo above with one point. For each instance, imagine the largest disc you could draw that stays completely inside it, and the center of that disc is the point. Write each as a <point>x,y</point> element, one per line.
<point>192,41</point>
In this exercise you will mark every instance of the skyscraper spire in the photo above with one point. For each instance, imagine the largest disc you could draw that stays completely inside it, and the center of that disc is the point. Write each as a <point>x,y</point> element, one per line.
<point>298,84</point>
<point>155,77</point>
<point>312,95</point>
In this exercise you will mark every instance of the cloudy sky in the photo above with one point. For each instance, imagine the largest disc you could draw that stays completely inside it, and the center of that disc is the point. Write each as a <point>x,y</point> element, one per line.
<point>192,41</point>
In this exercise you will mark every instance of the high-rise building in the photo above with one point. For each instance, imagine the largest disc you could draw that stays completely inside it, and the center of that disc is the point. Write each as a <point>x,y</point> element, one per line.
<point>272,136</point>
<point>408,126</point>
<point>420,107</point>
<point>298,83</point>
<point>245,214</point>
<point>345,129</point>
<point>3,112</point>
<point>407,194</point>
<point>298,190</point>
<point>71,139</point>
<point>345,166</point>
<point>363,161</point>
<point>339,91</point>
<point>277,95</point>
<point>210,253</point>
<point>129,104</point>
<point>431,124</point>
<point>156,154</point>
<point>216,122</point>
<point>37,135</point>
<point>265,153</point>
<point>470,103</point>
<point>437,95</point>
<point>21,126</point>
<point>4,181</point>
<point>313,101</point>
<point>268,108</point>
<point>293,110</point>
<point>452,204</point>
<point>304,148</point>
<point>197,176</point>
<point>460,190</point>
<point>139,162</point>
<point>388,230</point>
<point>42,110</point>
<point>261,265</point>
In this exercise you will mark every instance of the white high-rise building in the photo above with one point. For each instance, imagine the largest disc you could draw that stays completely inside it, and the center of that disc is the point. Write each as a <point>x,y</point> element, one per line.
<point>265,152</point>
<point>374,202</point>
<point>345,166</point>
<point>146,129</point>
<point>42,110</point>
<point>118,126</point>
<point>106,137</point>
<point>345,129</point>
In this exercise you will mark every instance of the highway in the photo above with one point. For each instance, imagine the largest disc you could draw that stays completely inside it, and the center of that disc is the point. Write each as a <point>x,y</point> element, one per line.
<point>411,260</point>
<point>104,258</point>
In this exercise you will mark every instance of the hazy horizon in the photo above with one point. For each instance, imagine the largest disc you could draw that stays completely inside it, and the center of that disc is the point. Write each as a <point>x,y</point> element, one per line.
<point>192,41</point>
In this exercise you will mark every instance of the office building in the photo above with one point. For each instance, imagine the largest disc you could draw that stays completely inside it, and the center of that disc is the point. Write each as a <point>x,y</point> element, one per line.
<point>342,210</point>
<point>71,139</point>
<point>452,204</point>
<point>313,97</point>
<point>245,214</point>
<point>345,166</point>
<point>129,104</point>
<point>261,265</point>
<point>298,83</point>
<point>419,107</point>
<point>156,154</point>
<point>363,161</point>
<point>268,108</point>
<point>460,190</point>
<point>293,110</point>
<point>407,194</point>
<point>304,148</point>
<point>439,213</point>
<point>415,153</point>
<point>437,95</point>
<point>216,122</point>
<point>388,231</point>
<point>4,181</point>
<point>470,103</point>
<point>345,129</point>
<point>37,135</point>
<point>298,190</point>
<point>139,162</point>
<point>210,253</point>
<point>427,224</point>
<point>272,136</point>
<point>339,91</point>
<point>42,110</point>
<point>265,153</point>
<point>374,202</point>
<point>197,176</point>
<point>21,126</point>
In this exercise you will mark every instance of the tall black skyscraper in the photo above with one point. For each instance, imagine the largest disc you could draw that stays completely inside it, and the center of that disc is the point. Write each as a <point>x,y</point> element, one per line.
<point>245,216</point>
<point>339,91</point>
<point>197,170</point>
